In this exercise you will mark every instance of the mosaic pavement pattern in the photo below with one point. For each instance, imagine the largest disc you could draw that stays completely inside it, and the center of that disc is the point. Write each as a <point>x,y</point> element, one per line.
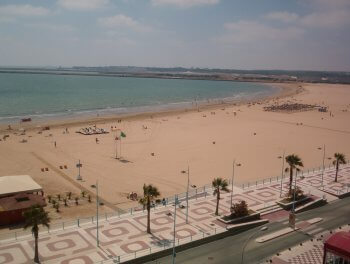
<point>310,252</point>
<point>126,235</point>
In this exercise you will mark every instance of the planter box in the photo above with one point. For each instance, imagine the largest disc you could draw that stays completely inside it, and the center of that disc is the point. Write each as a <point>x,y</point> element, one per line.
<point>287,206</point>
<point>252,217</point>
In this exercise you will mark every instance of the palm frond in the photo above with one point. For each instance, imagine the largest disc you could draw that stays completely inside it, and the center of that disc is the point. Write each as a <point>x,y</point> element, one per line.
<point>35,216</point>
<point>340,157</point>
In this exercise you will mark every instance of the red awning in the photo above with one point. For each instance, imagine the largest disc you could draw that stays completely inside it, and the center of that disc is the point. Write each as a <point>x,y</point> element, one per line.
<point>339,243</point>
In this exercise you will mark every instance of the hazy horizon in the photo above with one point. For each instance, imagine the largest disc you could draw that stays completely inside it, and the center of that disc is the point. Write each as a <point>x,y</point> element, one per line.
<point>310,35</point>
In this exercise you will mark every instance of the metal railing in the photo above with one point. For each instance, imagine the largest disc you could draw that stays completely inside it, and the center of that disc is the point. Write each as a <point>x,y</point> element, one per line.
<point>162,245</point>
<point>194,194</point>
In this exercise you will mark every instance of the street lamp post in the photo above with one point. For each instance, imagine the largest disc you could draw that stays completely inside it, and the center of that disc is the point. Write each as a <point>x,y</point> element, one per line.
<point>249,238</point>
<point>97,207</point>
<point>188,186</point>
<point>282,173</point>
<point>233,175</point>
<point>324,156</point>
<point>295,188</point>
<point>174,239</point>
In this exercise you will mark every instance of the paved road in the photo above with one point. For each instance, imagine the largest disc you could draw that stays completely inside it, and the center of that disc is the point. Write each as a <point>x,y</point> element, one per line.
<point>228,250</point>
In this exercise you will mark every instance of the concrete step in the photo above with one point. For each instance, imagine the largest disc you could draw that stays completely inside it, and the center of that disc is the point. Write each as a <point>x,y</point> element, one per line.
<point>271,211</point>
<point>268,208</point>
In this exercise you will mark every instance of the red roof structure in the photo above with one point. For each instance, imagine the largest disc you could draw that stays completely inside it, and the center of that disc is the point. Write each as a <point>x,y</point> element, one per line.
<point>339,244</point>
<point>12,207</point>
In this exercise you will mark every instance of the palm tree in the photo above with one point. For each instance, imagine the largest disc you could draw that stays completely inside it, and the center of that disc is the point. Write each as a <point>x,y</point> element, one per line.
<point>339,159</point>
<point>34,217</point>
<point>150,192</point>
<point>219,184</point>
<point>294,162</point>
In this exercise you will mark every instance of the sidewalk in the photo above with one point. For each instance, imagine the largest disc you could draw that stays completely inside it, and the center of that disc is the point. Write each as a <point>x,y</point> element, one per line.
<point>124,237</point>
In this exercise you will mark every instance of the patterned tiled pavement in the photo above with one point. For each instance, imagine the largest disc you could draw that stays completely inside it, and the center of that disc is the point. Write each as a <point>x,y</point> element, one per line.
<point>125,235</point>
<point>310,252</point>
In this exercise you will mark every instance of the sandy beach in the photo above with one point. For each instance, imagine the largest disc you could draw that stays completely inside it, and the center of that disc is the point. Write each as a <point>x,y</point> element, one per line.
<point>158,147</point>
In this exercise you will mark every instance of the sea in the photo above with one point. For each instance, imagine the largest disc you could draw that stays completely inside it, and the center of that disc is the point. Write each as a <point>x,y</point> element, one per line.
<point>45,97</point>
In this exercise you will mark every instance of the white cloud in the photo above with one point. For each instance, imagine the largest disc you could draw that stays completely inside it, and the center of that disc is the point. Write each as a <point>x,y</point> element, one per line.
<point>123,21</point>
<point>184,3</point>
<point>332,19</point>
<point>252,32</point>
<point>324,14</point>
<point>327,14</point>
<point>285,17</point>
<point>82,4</point>
<point>52,27</point>
<point>23,10</point>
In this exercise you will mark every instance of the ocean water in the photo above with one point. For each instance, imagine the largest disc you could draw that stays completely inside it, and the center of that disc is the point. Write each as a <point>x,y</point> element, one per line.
<point>45,96</point>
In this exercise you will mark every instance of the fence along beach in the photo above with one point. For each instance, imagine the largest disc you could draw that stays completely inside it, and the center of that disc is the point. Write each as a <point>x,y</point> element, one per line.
<point>158,147</point>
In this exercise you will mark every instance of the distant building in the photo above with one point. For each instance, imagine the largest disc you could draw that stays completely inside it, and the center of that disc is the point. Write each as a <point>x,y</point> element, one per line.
<point>17,194</point>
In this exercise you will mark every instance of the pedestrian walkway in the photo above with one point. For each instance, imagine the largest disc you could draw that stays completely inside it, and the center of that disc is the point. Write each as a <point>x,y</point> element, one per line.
<point>123,237</point>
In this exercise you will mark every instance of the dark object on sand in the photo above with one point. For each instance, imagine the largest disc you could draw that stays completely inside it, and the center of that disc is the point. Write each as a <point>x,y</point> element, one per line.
<point>288,107</point>
<point>26,119</point>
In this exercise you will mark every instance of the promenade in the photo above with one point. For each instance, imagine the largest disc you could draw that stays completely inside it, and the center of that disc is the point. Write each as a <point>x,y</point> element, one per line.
<point>123,237</point>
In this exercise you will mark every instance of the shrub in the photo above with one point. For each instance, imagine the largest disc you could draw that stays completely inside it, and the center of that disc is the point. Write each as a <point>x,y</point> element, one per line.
<point>239,209</point>
<point>299,194</point>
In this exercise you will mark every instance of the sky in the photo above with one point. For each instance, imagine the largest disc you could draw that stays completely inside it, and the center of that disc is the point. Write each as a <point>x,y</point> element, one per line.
<point>233,34</point>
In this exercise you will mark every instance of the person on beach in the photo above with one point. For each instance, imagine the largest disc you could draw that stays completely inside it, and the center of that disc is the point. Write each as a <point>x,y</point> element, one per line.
<point>55,144</point>
<point>96,140</point>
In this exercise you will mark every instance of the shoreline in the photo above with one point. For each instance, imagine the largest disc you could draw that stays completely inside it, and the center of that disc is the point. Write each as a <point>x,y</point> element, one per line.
<point>283,90</point>
<point>157,150</point>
